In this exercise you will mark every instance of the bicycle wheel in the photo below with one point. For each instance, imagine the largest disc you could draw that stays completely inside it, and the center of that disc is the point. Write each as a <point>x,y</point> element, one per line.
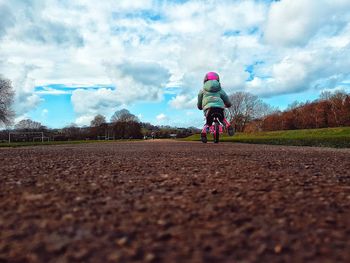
<point>216,132</point>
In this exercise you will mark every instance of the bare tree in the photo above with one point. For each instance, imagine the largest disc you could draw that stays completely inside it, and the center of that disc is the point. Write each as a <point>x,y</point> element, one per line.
<point>294,105</point>
<point>127,130</point>
<point>28,124</point>
<point>98,121</point>
<point>337,100</point>
<point>247,107</point>
<point>72,132</point>
<point>99,127</point>
<point>126,125</point>
<point>325,95</point>
<point>6,100</point>
<point>124,116</point>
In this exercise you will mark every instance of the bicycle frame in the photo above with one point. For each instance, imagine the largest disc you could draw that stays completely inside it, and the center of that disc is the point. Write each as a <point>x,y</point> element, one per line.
<point>212,127</point>
<point>216,128</point>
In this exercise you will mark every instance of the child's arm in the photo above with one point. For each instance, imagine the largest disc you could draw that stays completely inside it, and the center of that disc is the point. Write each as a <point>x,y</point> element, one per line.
<point>200,99</point>
<point>226,99</point>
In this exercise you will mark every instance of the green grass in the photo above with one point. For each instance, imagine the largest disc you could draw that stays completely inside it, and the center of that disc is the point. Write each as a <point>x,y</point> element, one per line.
<point>328,137</point>
<point>22,144</point>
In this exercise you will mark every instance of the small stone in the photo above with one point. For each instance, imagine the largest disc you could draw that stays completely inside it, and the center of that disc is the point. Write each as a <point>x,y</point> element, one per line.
<point>122,241</point>
<point>299,194</point>
<point>164,176</point>
<point>150,257</point>
<point>79,199</point>
<point>80,254</point>
<point>161,222</point>
<point>164,223</point>
<point>278,249</point>
<point>114,257</point>
<point>33,197</point>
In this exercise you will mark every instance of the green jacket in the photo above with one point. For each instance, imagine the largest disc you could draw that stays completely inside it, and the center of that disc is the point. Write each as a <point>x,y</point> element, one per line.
<point>212,96</point>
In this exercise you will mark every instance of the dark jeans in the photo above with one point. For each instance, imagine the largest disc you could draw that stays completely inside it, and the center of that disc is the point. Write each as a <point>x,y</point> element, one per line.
<point>214,112</point>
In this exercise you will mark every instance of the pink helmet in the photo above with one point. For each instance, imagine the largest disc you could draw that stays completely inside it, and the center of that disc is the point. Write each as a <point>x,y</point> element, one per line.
<point>211,76</point>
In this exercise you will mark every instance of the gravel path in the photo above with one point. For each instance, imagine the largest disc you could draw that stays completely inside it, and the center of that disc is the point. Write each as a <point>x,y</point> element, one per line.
<point>174,202</point>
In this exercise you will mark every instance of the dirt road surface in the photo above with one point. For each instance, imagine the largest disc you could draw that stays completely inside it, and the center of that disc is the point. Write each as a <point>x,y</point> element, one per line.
<point>174,202</point>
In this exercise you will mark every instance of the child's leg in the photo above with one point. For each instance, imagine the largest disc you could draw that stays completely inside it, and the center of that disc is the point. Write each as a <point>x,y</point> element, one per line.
<point>222,119</point>
<point>209,121</point>
<point>205,129</point>
<point>227,124</point>
<point>209,117</point>
<point>204,133</point>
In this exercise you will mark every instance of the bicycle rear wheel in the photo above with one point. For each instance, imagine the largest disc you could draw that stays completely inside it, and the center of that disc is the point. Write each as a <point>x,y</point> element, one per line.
<point>216,132</point>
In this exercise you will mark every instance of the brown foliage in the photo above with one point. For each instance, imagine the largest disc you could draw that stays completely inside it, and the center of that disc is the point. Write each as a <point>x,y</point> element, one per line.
<point>331,110</point>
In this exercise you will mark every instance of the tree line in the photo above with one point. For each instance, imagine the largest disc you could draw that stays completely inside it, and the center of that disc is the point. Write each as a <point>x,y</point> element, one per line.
<point>248,113</point>
<point>122,125</point>
<point>330,110</point>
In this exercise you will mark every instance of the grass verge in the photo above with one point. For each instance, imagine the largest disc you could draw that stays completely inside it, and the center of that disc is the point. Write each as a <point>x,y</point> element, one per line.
<point>327,137</point>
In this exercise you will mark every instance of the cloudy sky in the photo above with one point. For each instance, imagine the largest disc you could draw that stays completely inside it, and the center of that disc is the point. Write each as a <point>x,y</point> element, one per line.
<point>70,60</point>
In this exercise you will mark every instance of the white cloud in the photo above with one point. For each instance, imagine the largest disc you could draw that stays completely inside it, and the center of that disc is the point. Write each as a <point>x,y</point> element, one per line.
<point>52,91</point>
<point>7,18</point>
<point>296,22</point>
<point>146,73</point>
<point>23,84</point>
<point>162,117</point>
<point>144,47</point>
<point>93,100</point>
<point>183,102</point>
<point>84,120</point>
<point>88,103</point>
<point>138,81</point>
<point>303,70</point>
<point>44,113</point>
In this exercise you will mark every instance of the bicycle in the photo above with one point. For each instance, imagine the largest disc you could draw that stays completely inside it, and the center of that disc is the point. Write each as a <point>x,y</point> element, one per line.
<point>217,127</point>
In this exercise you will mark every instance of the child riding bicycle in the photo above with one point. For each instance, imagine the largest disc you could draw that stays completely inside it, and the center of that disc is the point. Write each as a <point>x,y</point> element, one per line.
<point>212,99</point>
